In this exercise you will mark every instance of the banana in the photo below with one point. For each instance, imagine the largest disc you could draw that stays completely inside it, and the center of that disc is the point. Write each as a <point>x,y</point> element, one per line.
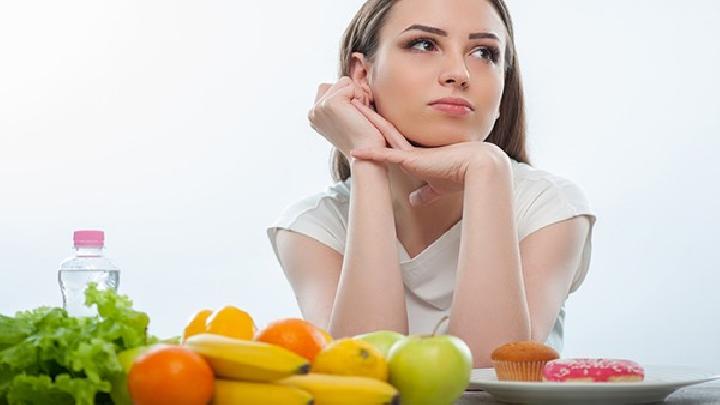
<point>240,392</point>
<point>345,390</point>
<point>247,360</point>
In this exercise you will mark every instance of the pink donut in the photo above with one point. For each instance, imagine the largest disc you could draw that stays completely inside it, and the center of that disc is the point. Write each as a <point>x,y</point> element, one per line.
<point>592,370</point>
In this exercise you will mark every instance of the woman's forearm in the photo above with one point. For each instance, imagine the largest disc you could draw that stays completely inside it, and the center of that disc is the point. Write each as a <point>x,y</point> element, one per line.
<point>370,294</point>
<point>489,304</point>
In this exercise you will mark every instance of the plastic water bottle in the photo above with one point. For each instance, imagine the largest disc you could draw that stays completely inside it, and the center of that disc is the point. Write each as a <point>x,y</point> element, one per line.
<point>87,265</point>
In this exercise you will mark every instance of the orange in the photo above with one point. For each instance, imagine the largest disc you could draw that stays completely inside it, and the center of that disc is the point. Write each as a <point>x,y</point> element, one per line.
<point>196,325</point>
<point>296,335</point>
<point>232,322</point>
<point>170,375</point>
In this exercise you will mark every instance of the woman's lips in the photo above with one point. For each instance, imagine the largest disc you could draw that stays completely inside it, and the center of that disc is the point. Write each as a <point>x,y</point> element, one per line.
<point>452,109</point>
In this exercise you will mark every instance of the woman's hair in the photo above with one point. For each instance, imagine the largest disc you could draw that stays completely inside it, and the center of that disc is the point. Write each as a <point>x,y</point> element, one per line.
<point>363,35</point>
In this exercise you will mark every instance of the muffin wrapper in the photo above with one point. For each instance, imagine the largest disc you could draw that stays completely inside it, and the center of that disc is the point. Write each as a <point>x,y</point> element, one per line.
<point>519,370</point>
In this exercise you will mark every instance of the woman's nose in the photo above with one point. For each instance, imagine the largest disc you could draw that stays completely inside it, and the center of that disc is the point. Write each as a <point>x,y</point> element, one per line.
<point>455,72</point>
<point>456,75</point>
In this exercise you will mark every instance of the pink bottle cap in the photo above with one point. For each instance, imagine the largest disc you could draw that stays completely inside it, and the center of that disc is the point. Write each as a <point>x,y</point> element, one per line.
<point>89,238</point>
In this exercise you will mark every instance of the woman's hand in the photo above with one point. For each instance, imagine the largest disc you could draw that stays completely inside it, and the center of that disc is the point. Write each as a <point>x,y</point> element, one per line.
<point>335,116</point>
<point>442,168</point>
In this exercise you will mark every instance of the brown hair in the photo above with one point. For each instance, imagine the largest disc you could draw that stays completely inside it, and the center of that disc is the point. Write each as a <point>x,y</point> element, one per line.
<point>362,35</point>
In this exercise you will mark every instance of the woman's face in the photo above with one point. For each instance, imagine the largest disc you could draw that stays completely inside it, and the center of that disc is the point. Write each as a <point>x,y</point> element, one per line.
<point>434,49</point>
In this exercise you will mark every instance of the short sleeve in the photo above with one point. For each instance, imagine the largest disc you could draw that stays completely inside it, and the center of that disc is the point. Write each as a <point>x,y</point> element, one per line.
<point>319,217</point>
<point>554,200</point>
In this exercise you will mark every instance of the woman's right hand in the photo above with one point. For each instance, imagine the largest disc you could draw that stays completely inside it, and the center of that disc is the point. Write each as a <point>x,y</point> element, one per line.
<point>336,118</point>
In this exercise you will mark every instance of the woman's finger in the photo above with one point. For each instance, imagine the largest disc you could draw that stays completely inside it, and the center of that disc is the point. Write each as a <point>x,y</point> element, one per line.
<point>423,196</point>
<point>391,133</point>
<point>391,140</point>
<point>394,137</point>
<point>351,93</point>
<point>382,154</point>
<point>322,89</point>
<point>328,90</point>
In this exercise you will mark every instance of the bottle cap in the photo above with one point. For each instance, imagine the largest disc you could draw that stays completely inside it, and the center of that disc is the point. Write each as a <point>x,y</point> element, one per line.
<point>89,238</point>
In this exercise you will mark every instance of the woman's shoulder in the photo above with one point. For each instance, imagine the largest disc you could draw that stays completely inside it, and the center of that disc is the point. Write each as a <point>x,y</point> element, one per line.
<point>523,172</point>
<point>329,205</point>
<point>530,182</point>
<point>336,194</point>
<point>322,216</point>
<point>542,198</point>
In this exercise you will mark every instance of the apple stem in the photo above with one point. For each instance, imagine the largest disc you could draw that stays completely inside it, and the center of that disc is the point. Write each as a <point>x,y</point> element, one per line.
<point>443,319</point>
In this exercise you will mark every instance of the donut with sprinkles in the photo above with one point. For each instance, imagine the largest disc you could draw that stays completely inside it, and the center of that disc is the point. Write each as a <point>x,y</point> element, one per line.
<point>593,370</point>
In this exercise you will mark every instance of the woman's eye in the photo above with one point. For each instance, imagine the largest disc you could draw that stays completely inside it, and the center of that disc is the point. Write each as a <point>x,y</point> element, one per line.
<point>490,54</point>
<point>427,45</point>
<point>424,44</point>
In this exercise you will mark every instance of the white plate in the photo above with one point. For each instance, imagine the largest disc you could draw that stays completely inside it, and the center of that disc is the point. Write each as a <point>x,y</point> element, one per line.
<point>660,381</point>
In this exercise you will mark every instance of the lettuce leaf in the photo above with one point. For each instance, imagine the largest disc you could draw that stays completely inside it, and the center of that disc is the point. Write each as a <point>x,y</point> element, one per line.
<point>48,357</point>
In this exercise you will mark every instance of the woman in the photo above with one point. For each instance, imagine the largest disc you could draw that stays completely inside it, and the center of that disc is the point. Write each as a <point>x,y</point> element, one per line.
<point>437,214</point>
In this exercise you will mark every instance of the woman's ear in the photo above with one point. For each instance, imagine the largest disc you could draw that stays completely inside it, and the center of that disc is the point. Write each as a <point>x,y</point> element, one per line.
<point>360,73</point>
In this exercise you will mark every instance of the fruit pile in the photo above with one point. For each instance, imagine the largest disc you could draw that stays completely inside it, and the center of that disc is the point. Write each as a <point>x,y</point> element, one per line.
<point>223,358</point>
<point>49,357</point>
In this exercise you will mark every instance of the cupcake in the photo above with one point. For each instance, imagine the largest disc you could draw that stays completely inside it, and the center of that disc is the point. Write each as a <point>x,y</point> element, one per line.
<point>522,361</point>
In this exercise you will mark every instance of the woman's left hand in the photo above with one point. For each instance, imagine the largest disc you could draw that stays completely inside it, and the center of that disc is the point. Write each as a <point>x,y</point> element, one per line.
<point>442,168</point>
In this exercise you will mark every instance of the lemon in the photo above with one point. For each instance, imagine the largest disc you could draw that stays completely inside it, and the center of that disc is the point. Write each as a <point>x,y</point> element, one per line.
<point>326,334</point>
<point>196,325</point>
<point>232,322</point>
<point>351,357</point>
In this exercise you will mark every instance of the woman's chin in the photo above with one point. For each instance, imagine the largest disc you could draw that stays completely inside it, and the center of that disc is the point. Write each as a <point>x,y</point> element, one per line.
<point>433,134</point>
<point>437,141</point>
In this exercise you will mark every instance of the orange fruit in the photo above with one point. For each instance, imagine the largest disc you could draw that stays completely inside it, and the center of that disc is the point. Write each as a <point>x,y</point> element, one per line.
<point>232,322</point>
<point>196,325</point>
<point>296,335</point>
<point>172,375</point>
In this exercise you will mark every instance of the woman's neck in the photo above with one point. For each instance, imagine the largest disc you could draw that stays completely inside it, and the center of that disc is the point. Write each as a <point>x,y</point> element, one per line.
<point>418,227</point>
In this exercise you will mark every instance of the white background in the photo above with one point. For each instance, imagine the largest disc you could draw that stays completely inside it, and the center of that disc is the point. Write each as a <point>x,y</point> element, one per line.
<point>180,129</point>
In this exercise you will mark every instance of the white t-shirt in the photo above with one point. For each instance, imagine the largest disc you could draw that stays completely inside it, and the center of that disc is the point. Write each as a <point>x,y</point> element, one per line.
<point>539,199</point>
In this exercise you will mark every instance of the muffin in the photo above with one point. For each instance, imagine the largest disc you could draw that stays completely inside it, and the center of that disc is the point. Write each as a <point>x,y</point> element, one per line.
<point>522,361</point>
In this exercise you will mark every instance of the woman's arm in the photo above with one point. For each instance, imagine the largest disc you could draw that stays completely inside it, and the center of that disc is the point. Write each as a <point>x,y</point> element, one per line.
<point>489,303</point>
<point>313,270</point>
<point>508,291</point>
<point>370,295</point>
<point>363,290</point>
<point>503,291</point>
<point>550,258</point>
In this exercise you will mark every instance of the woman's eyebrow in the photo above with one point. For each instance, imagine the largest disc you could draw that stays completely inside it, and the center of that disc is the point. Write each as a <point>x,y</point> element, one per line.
<point>443,33</point>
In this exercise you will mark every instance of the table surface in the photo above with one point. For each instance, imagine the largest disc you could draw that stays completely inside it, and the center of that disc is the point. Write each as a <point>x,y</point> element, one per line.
<point>706,393</point>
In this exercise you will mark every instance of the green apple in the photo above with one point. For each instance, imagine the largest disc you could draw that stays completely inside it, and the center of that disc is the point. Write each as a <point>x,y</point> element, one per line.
<point>127,357</point>
<point>430,369</point>
<point>381,339</point>
<point>174,340</point>
<point>118,391</point>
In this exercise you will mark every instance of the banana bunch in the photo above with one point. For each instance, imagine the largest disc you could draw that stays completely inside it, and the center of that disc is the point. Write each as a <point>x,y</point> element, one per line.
<point>345,390</point>
<point>247,360</point>
<point>241,392</point>
<point>252,372</point>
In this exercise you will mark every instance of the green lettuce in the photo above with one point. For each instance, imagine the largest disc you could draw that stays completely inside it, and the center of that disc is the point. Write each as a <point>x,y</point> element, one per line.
<point>48,357</point>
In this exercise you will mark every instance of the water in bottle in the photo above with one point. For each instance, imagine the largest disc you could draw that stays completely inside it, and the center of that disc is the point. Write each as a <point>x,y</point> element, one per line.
<point>87,265</point>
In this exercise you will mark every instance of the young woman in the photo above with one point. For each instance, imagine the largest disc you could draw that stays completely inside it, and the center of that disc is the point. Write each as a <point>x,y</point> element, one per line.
<point>436,212</point>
